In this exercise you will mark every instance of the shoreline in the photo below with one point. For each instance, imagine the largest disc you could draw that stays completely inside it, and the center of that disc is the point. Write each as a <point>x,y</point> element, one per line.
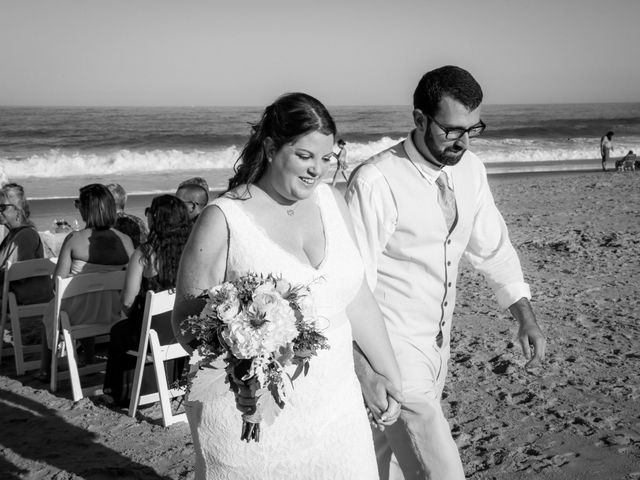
<point>44,211</point>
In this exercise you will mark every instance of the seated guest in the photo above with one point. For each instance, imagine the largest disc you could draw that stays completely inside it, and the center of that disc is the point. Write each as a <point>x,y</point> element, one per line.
<point>126,223</point>
<point>629,161</point>
<point>153,266</point>
<point>97,248</point>
<point>194,192</point>
<point>21,243</point>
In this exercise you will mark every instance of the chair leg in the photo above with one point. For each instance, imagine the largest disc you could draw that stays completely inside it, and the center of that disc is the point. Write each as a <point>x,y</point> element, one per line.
<point>18,351</point>
<point>74,375</point>
<point>54,362</point>
<point>3,320</point>
<point>161,379</point>
<point>137,378</point>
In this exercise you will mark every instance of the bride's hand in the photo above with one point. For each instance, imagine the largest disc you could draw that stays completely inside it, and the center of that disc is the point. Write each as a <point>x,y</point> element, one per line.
<point>245,393</point>
<point>382,399</point>
<point>387,417</point>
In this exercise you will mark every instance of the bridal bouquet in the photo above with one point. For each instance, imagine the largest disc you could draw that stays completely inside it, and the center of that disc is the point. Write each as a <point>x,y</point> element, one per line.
<point>254,327</point>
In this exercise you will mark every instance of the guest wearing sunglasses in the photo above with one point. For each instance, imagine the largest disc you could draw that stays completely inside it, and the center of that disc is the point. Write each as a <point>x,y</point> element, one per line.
<point>194,192</point>
<point>21,243</point>
<point>417,208</point>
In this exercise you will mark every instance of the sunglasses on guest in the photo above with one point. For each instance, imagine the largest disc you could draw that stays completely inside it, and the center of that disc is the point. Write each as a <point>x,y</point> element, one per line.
<point>191,205</point>
<point>4,206</point>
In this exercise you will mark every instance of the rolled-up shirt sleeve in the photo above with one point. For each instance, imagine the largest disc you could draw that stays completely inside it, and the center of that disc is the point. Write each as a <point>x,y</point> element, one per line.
<point>374,215</point>
<point>490,252</point>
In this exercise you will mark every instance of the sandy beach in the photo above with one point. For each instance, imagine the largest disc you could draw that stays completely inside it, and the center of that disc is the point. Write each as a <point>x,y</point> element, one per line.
<point>578,236</point>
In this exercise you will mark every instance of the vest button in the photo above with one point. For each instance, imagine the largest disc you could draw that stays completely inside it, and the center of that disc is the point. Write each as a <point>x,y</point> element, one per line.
<point>449,263</point>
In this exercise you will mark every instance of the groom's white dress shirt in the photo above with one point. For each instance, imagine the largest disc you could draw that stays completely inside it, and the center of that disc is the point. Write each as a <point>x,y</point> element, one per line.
<point>411,261</point>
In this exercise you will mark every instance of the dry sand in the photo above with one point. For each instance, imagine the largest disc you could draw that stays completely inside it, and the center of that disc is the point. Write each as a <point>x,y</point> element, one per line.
<point>578,418</point>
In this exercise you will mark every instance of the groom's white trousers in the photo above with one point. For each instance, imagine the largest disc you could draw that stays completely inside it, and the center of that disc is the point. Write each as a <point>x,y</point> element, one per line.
<point>420,440</point>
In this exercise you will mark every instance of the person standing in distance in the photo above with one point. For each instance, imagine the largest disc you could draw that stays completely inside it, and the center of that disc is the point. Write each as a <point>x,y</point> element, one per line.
<point>417,208</point>
<point>606,147</point>
<point>341,163</point>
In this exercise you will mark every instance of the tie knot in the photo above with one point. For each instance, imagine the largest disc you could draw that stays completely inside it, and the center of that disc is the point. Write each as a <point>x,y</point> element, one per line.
<point>442,180</point>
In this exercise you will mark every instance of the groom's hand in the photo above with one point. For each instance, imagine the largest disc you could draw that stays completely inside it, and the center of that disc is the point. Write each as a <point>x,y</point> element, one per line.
<point>531,338</point>
<point>381,397</point>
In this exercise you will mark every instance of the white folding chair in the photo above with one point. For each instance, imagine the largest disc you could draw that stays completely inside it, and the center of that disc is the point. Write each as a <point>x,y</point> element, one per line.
<point>10,308</point>
<point>150,350</point>
<point>71,287</point>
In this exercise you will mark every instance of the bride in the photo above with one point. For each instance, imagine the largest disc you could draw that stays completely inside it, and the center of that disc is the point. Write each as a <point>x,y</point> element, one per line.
<point>279,217</point>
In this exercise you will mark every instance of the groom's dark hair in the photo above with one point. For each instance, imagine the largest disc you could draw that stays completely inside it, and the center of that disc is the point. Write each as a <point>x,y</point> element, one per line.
<point>449,80</point>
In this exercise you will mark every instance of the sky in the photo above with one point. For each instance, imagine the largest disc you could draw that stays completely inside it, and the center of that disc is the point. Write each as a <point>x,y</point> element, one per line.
<point>348,52</point>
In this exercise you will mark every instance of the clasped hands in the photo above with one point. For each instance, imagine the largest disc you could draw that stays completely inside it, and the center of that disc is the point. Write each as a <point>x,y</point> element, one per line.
<point>382,399</point>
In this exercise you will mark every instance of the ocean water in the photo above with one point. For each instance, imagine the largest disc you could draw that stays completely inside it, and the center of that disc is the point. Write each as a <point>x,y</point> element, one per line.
<point>54,151</point>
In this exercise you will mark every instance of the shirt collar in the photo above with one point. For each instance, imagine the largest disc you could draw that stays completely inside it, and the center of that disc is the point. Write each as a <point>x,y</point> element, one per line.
<point>429,171</point>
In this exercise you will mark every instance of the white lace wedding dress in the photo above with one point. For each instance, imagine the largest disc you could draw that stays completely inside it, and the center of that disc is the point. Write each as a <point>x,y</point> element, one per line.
<point>323,432</point>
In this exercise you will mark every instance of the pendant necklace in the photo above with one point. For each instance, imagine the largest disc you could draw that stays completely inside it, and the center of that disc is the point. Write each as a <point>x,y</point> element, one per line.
<point>290,209</point>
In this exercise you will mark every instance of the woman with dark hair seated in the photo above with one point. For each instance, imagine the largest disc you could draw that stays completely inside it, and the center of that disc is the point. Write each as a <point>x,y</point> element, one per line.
<point>96,248</point>
<point>153,266</point>
<point>21,243</point>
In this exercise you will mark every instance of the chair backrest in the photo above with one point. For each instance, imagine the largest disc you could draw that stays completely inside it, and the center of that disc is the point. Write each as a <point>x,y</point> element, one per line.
<point>24,269</point>
<point>89,282</point>
<point>157,315</point>
<point>85,283</point>
<point>30,268</point>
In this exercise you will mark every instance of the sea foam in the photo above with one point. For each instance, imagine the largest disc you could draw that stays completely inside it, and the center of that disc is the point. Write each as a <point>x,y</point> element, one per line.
<point>60,164</point>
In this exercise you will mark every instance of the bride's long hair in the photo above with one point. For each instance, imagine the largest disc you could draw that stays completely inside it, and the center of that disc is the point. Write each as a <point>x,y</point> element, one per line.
<point>291,116</point>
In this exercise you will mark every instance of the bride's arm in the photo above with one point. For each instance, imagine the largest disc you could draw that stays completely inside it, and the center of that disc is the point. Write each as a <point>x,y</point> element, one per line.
<point>202,266</point>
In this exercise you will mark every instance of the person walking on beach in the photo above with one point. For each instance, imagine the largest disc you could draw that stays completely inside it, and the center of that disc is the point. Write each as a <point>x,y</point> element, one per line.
<point>417,208</point>
<point>606,147</point>
<point>279,216</point>
<point>341,163</point>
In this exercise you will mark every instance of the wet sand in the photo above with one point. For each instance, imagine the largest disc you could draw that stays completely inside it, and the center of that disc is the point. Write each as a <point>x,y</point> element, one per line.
<point>578,236</point>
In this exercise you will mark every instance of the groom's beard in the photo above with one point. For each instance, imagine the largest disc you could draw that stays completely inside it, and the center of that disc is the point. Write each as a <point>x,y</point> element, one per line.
<point>449,156</point>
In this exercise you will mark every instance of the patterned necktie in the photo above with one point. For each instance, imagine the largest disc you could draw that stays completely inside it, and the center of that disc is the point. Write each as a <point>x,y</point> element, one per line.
<point>446,199</point>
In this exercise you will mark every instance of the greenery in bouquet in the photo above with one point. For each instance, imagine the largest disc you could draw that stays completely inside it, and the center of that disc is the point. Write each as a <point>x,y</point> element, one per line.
<point>254,327</point>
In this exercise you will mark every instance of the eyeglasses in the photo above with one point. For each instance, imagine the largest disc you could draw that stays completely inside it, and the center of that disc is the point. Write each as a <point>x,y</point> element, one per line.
<point>452,133</point>
<point>4,206</point>
<point>191,205</point>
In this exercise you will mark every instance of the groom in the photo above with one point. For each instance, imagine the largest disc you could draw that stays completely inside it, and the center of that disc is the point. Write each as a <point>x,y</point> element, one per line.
<point>418,207</point>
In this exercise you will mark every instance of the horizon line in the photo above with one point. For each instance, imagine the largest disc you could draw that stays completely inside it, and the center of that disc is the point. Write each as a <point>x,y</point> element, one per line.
<point>328,105</point>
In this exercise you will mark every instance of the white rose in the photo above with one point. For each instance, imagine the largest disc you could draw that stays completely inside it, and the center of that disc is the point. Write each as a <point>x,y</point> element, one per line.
<point>264,298</point>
